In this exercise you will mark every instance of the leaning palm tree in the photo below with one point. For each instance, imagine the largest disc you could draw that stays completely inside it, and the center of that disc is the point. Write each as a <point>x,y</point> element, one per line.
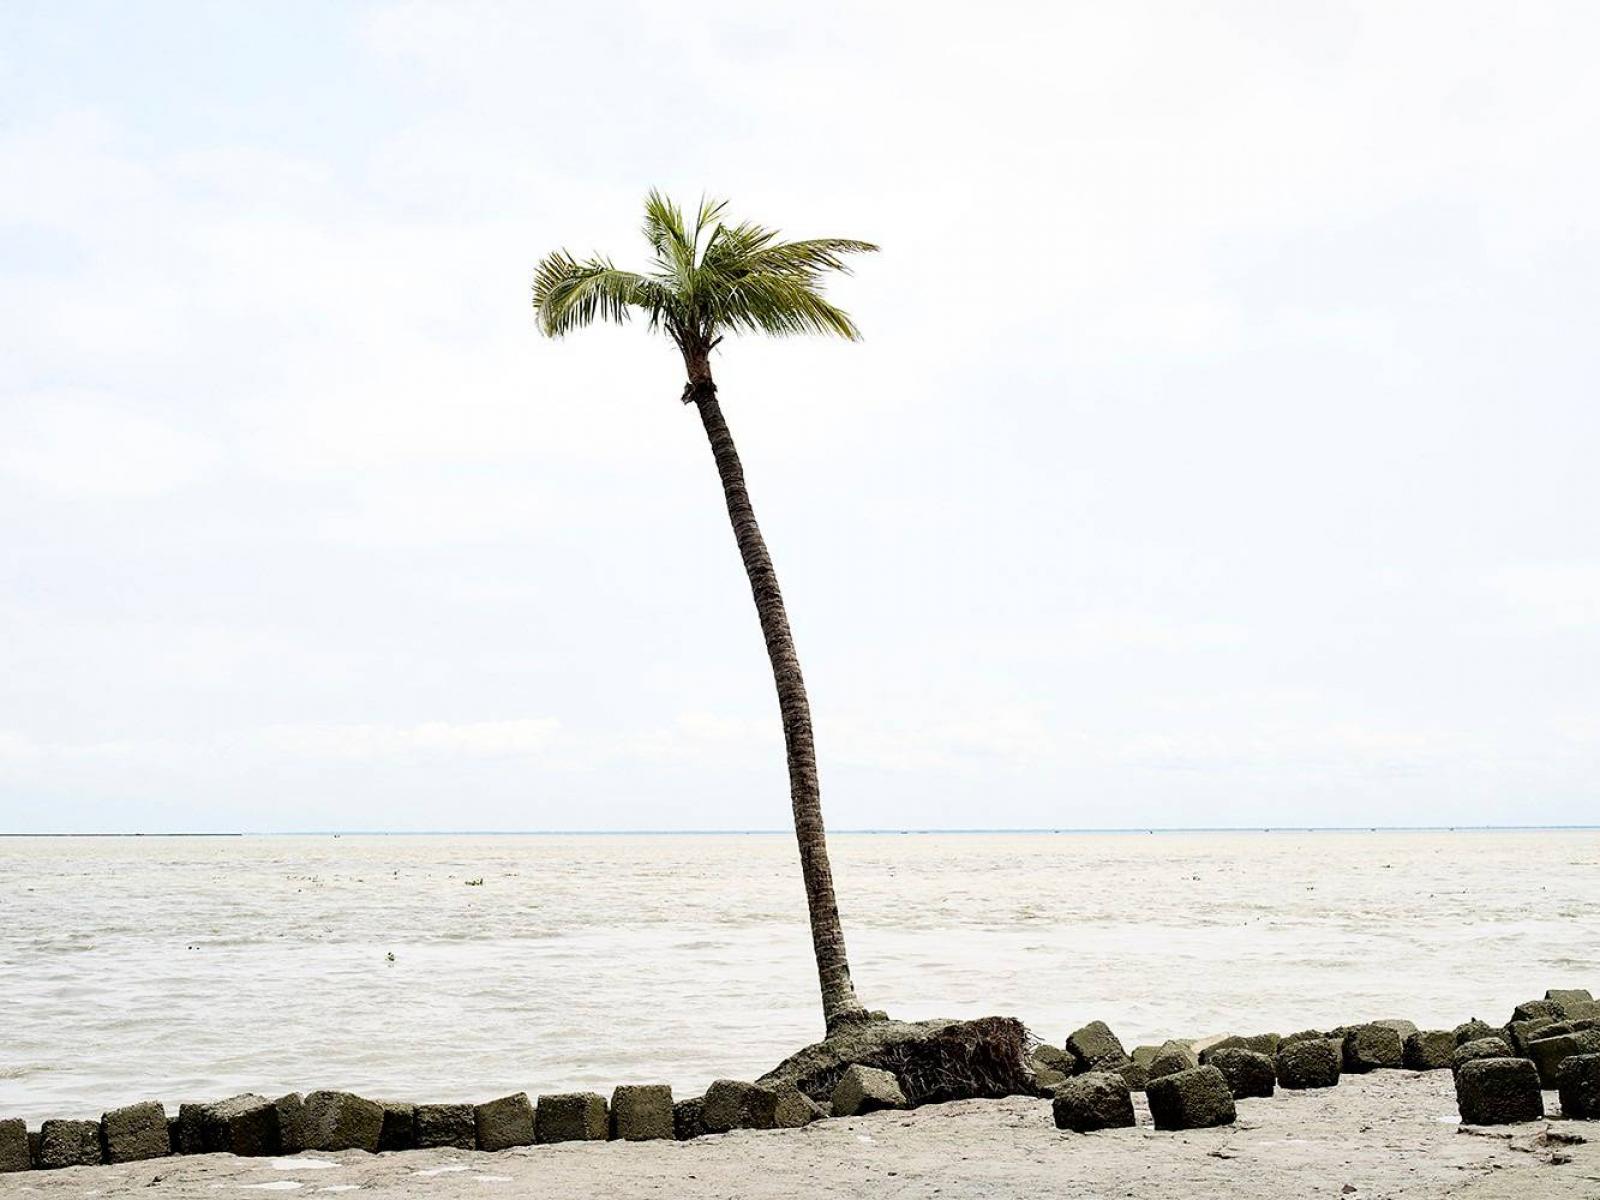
<point>703,283</point>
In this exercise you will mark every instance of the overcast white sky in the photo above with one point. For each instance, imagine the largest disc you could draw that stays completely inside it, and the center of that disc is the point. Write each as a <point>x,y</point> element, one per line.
<point>1222,450</point>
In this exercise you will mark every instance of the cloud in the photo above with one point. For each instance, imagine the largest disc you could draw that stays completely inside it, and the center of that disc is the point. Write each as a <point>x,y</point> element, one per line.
<point>1552,596</point>
<point>95,446</point>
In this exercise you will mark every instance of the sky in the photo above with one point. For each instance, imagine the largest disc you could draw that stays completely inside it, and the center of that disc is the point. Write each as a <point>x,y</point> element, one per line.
<point>1221,450</point>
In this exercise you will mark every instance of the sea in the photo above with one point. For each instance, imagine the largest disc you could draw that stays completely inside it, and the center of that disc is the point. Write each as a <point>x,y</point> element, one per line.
<point>444,967</point>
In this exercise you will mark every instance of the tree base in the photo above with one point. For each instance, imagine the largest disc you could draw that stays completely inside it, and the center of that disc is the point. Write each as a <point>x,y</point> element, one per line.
<point>934,1061</point>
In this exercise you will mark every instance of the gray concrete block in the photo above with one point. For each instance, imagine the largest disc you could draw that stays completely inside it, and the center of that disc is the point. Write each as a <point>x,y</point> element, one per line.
<point>1549,1053</point>
<point>441,1125</point>
<point>866,1089</point>
<point>641,1112</point>
<point>1095,1047</point>
<point>1093,1101</point>
<point>342,1121</point>
<point>571,1117</point>
<point>1498,1091</point>
<point>1195,1099</point>
<point>1429,1049</point>
<point>136,1132</point>
<point>14,1153</point>
<point>1312,1063</point>
<point>794,1108</point>
<point>1372,1046</point>
<point>1248,1072</point>
<point>244,1125</point>
<point>291,1123</point>
<point>734,1104</point>
<point>505,1122</point>
<point>1578,1082</point>
<point>399,1129</point>
<point>69,1144</point>
<point>688,1119</point>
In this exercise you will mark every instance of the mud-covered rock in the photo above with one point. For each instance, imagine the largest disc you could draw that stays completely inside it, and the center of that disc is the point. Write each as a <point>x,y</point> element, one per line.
<point>1092,1101</point>
<point>1261,1043</point>
<point>342,1121</point>
<point>794,1108</point>
<point>245,1125</point>
<point>399,1129</point>
<point>1498,1091</point>
<point>1473,1031</point>
<point>735,1104</point>
<point>1578,1083</point>
<point>1484,1047</point>
<point>446,1125</point>
<point>69,1144</point>
<point>1248,1072</point>
<point>14,1155</point>
<point>571,1117</point>
<point>135,1132</point>
<point>504,1123</point>
<point>641,1112</point>
<point>1169,1060</point>
<point>1429,1049</point>
<point>1533,1010</point>
<point>1547,1054</point>
<point>934,1061</point>
<point>291,1123</point>
<point>1520,1033</point>
<point>1372,1046</point>
<point>1096,1048</point>
<point>1195,1099</point>
<point>866,1089</point>
<point>688,1119</point>
<point>1311,1063</point>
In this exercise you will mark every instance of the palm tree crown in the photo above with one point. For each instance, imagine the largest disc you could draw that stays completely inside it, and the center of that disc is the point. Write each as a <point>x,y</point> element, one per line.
<point>703,281</point>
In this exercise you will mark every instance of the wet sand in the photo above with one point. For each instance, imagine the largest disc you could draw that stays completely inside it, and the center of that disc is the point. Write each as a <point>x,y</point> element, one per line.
<point>1385,1136</point>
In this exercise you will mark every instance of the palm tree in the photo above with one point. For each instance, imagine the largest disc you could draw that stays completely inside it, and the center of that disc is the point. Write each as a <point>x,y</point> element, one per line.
<point>703,284</point>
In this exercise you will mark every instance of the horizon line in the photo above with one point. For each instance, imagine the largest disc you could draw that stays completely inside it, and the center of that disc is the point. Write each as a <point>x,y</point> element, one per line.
<point>863,831</point>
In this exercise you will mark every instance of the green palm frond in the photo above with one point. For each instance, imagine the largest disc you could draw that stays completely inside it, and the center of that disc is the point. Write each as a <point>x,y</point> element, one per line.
<point>706,280</point>
<point>569,294</point>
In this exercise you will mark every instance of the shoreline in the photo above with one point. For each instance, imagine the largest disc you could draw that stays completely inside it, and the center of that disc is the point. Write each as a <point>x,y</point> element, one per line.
<point>1378,1135</point>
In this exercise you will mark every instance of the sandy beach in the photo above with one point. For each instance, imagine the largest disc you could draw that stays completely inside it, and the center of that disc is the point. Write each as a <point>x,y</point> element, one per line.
<point>1389,1135</point>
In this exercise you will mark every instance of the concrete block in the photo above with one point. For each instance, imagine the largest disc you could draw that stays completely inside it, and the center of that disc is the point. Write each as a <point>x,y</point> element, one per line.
<point>1093,1101</point>
<point>136,1132</point>
<point>641,1112</point>
<point>1195,1099</point>
<point>1498,1091</point>
<point>446,1125</point>
<point>69,1144</point>
<point>342,1121</point>
<point>505,1122</point>
<point>244,1125</point>
<point>734,1104</point>
<point>571,1117</point>
<point>866,1089</point>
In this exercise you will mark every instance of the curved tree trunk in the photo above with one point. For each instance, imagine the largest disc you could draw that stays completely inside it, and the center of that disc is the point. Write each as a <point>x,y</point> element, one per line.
<point>839,1003</point>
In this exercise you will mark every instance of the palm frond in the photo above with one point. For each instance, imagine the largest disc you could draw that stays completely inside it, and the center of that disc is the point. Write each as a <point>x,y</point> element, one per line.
<point>706,279</point>
<point>781,306</point>
<point>569,294</point>
<point>669,238</point>
<point>813,256</point>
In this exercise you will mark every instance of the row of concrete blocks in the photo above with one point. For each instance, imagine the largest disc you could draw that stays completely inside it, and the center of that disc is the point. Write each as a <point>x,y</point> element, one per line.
<point>253,1125</point>
<point>1549,1044</point>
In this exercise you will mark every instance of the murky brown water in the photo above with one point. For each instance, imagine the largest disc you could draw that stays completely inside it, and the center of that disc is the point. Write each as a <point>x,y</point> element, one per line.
<point>191,968</point>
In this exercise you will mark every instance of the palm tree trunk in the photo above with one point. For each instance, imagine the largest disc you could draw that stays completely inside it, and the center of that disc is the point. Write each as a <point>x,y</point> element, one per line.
<point>839,1003</point>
